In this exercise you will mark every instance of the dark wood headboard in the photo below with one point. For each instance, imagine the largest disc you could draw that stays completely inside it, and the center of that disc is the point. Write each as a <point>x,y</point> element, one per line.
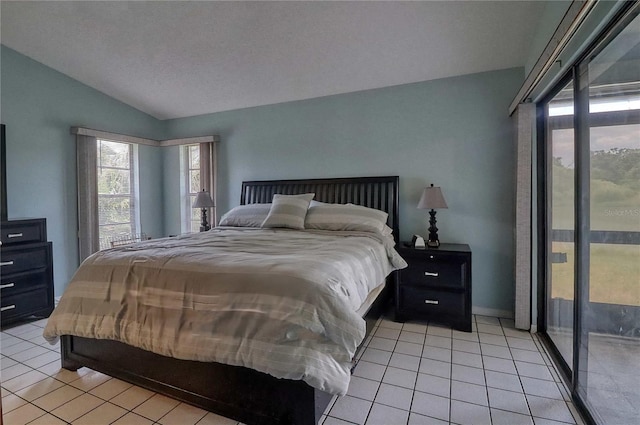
<point>374,192</point>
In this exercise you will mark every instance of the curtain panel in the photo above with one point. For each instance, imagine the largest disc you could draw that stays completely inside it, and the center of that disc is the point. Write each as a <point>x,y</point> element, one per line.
<point>86,162</point>
<point>208,169</point>
<point>524,120</point>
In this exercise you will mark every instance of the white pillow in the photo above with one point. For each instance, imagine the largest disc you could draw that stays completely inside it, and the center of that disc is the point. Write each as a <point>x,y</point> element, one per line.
<point>346,217</point>
<point>251,215</point>
<point>288,211</point>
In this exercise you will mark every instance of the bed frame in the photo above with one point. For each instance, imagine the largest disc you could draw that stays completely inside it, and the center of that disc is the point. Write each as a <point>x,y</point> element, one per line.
<point>236,392</point>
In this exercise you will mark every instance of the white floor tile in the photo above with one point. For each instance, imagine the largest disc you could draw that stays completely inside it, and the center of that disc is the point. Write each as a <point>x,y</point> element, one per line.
<point>40,389</point>
<point>374,355</point>
<point>490,329</point>
<point>363,388</point>
<point>415,327</point>
<point>527,356</point>
<point>541,388</point>
<point>393,396</point>
<point>156,407</point>
<point>437,341</point>
<point>503,381</point>
<point>435,367</point>
<point>400,377</point>
<point>57,397</point>
<point>437,353</point>
<point>533,370</point>
<point>23,415</point>
<point>133,419</point>
<point>466,346</point>
<point>351,409</point>
<point>469,393</point>
<point>387,333</point>
<point>496,351</point>
<point>547,408</point>
<point>382,344</point>
<point>416,419</point>
<point>413,337</point>
<point>369,370</point>
<point>466,359</point>
<point>183,414</point>
<point>408,348</point>
<point>385,415</point>
<point>489,320</point>
<point>499,365</point>
<point>433,385</point>
<point>104,414</point>
<point>431,405</point>
<point>502,417</point>
<point>467,374</point>
<point>522,344</point>
<point>469,414</point>
<point>508,400</point>
<point>404,361</point>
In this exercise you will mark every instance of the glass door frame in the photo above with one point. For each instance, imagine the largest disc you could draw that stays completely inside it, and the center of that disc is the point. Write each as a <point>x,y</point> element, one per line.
<point>576,374</point>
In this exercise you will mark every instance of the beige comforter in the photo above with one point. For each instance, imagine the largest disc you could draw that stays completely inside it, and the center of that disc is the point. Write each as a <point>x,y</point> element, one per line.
<point>280,301</point>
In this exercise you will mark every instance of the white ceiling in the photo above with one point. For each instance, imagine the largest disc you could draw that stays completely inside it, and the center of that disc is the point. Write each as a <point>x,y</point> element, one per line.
<point>178,59</point>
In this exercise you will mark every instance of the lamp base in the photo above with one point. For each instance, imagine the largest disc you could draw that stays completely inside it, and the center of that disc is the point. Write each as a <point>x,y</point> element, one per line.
<point>204,226</point>
<point>433,244</point>
<point>433,241</point>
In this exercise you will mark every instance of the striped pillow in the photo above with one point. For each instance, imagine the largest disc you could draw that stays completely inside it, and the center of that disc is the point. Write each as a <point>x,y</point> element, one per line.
<point>251,215</point>
<point>345,217</point>
<point>288,211</point>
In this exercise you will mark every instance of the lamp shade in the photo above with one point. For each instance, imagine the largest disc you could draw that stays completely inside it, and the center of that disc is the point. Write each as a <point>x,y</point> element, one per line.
<point>432,198</point>
<point>203,200</point>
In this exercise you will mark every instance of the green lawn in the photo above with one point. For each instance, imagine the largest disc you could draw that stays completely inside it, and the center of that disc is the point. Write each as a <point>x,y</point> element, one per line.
<point>614,273</point>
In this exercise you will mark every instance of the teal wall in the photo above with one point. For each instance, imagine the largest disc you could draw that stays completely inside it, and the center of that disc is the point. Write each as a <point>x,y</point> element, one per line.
<point>454,132</point>
<point>38,106</point>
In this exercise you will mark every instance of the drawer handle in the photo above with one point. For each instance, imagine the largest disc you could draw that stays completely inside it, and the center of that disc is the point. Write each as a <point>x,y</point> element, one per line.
<point>431,274</point>
<point>431,302</point>
<point>9,307</point>
<point>7,263</point>
<point>7,285</point>
<point>14,235</point>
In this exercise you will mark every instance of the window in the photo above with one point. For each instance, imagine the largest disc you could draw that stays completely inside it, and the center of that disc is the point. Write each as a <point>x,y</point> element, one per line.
<point>118,211</point>
<point>191,185</point>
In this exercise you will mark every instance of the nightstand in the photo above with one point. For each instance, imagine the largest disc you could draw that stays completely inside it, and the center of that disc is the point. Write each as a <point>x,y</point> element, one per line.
<point>436,285</point>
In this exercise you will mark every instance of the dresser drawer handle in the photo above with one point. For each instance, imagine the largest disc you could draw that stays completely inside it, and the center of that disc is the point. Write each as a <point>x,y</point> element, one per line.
<point>9,307</point>
<point>431,274</point>
<point>7,285</point>
<point>14,235</point>
<point>431,302</point>
<point>7,263</point>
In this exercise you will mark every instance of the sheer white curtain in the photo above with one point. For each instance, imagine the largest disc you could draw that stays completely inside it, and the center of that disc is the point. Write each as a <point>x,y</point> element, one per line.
<point>88,231</point>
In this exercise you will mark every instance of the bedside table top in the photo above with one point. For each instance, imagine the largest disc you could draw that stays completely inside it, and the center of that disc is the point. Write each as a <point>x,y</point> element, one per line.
<point>448,247</point>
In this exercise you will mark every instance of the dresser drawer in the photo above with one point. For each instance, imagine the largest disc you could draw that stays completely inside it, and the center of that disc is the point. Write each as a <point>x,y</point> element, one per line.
<point>22,231</point>
<point>21,282</point>
<point>432,302</point>
<point>24,258</point>
<point>36,301</point>
<point>446,272</point>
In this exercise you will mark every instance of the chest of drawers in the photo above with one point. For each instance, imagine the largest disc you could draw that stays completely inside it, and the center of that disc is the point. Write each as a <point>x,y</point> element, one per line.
<point>436,285</point>
<point>26,270</point>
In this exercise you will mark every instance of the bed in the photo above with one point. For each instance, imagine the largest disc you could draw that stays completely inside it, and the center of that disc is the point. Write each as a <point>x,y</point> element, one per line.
<point>237,392</point>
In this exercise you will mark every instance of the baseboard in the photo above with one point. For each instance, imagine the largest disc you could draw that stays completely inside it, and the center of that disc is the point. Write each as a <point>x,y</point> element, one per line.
<point>534,329</point>
<point>481,311</point>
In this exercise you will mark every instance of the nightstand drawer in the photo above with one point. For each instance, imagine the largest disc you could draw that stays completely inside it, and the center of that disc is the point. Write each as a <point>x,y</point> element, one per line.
<point>26,303</point>
<point>432,302</point>
<point>22,231</point>
<point>24,258</point>
<point>449,272</point>
<point>14,284</point>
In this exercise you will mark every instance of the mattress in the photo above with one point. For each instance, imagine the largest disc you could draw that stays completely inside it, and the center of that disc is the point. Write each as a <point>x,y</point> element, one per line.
<point>283,302</point>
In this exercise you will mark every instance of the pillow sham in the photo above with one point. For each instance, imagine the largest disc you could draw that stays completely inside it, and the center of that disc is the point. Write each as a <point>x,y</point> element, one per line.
<point>252,215</point>
<point>346,217</point>
<point>288,211</point>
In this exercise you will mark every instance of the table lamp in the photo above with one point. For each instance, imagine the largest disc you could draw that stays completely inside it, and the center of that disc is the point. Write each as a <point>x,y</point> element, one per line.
<point>431,199</point>
<point>204,201</point>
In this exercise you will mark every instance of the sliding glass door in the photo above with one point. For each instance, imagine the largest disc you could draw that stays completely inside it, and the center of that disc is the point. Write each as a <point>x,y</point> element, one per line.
<point>561,210</point>
<point>592,220</point>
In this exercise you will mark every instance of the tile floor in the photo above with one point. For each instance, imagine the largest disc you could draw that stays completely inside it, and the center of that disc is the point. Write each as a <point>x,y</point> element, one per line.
<point>415,373</point>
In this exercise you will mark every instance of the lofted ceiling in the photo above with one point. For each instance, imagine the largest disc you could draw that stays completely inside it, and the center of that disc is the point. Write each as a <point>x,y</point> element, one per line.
<point>178,59</point>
